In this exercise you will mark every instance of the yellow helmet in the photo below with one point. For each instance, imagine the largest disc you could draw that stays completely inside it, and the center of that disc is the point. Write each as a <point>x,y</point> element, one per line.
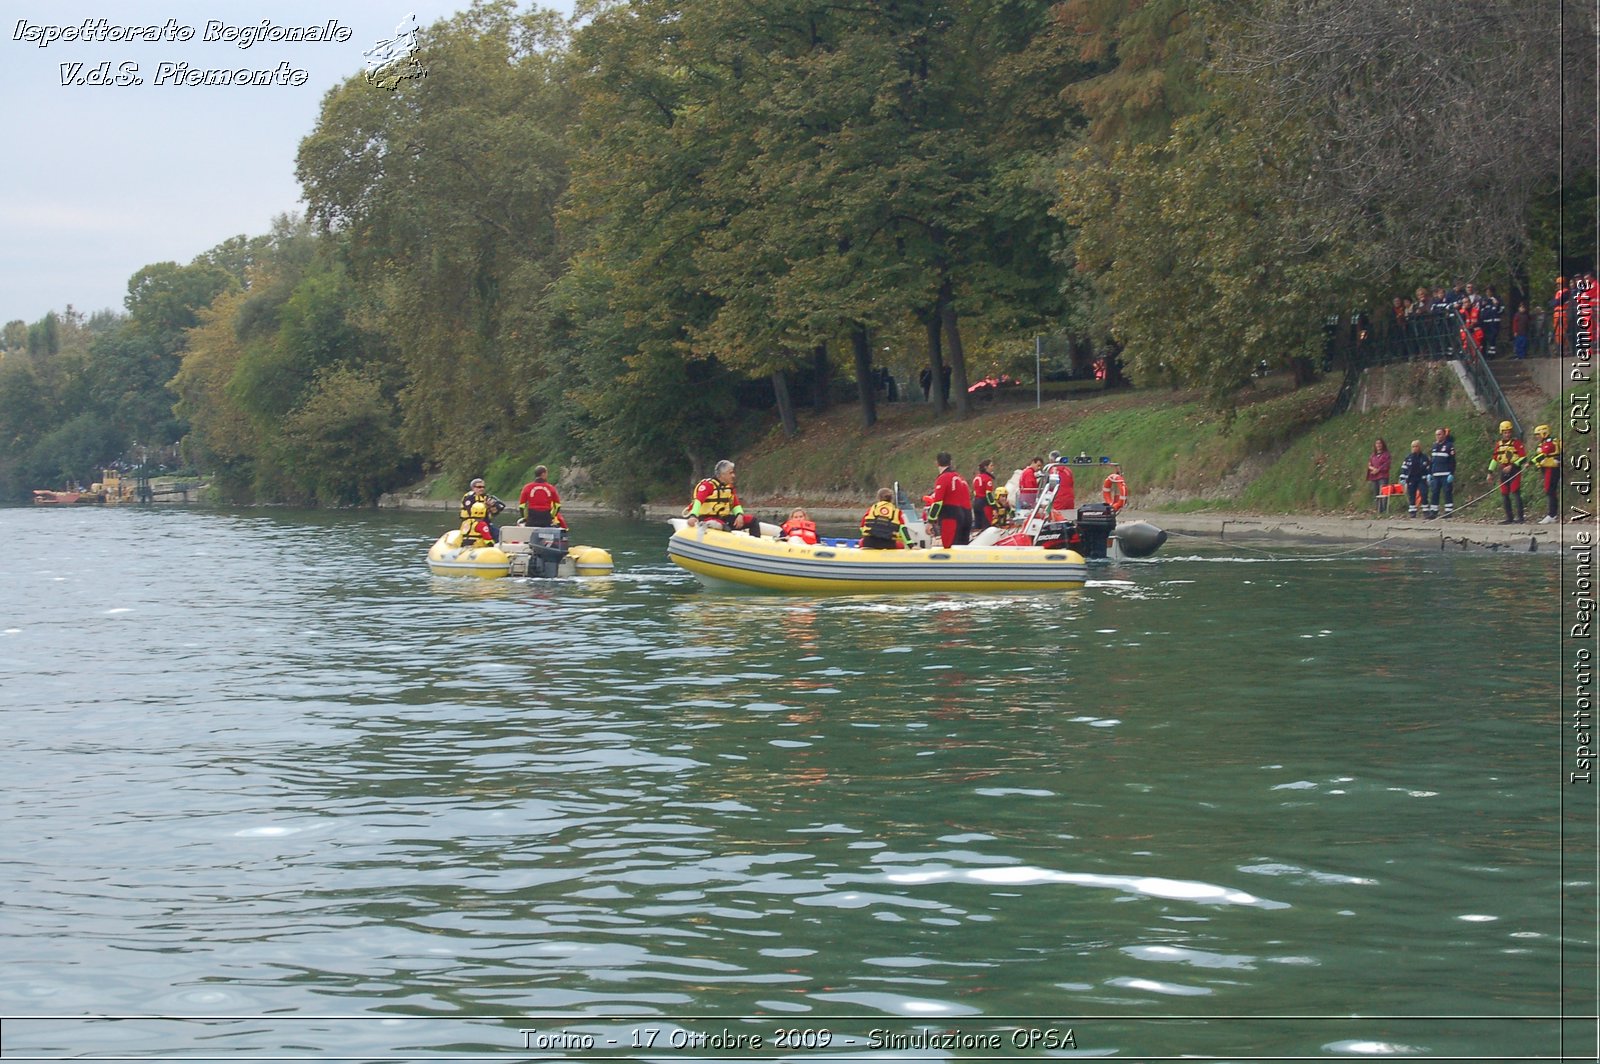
<point>1505,426</point>
<point>479,510</point>
<point>1542,430</point>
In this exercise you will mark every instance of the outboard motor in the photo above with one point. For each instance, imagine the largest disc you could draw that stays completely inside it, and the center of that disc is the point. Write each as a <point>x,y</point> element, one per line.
<point>1096,522</point>
<point>546,548</point>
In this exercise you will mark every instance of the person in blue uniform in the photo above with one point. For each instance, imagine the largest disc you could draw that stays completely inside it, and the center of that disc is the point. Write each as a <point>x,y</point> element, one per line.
<point>1442,473</point>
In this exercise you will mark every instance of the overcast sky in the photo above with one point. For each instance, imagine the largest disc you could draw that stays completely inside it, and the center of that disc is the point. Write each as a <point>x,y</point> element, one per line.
<point>101,180</point>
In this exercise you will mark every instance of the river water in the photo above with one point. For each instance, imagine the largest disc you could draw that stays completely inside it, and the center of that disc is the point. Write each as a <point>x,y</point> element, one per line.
<point>273,791</point>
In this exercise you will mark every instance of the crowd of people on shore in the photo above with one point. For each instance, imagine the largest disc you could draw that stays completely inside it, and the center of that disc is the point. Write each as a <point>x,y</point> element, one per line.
<point>1574,307</point>
<point>1427,478</point>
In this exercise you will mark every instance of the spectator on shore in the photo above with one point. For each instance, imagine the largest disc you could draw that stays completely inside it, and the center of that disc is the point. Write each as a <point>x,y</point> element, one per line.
<point>1378,473</point>
<point>1490,313</point>
<point>1414,472</point>
<point>1560,311</point>
<point>1442,473</point>
<point>1519,332</point>
<point>925,378</point>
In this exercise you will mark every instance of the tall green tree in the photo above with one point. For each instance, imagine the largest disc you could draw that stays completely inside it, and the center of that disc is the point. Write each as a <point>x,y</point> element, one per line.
<point>444,190</point>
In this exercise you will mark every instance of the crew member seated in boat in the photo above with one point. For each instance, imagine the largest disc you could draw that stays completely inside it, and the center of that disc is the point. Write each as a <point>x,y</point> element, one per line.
<point>950,506</point>
<point>716,502</point>
<point>799,527</point>
<point>1002,516</point>
<point>883,526</point>
<point>983,496</point>
<point>478,493</point>
<point>540,503</point>
<point>476,531</point>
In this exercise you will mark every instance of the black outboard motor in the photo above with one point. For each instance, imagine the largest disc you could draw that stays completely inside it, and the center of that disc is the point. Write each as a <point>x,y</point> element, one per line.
<point>1096,522</point>
<point>546,548</point>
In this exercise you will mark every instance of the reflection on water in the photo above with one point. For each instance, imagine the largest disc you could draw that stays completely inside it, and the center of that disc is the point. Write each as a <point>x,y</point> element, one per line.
<point>265,763</point>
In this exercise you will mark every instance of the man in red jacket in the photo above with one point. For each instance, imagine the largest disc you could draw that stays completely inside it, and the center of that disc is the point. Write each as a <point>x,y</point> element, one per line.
<point>983,496</point>
<point>950,506</point>
<point>540,502</point>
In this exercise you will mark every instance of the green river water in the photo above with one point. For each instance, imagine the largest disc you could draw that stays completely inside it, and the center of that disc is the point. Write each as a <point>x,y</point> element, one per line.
<point>274,792</point>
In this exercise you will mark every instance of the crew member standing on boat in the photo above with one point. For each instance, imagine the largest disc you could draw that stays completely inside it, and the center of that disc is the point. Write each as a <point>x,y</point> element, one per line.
<point>477,494</point>
<point>883,526</point>
<point>950,507</point>
<point>983,496</point>
<point>540,502</point>
<point>716,502</point>
<point>1028,485</point>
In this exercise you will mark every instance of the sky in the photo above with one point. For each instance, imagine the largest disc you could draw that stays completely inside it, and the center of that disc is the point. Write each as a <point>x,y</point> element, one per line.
<point>101,180</point>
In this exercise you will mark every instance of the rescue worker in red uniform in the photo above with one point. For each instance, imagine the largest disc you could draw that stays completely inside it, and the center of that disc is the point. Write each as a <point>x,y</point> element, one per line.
<point>983,496</point>
<point>540,502</point>
<point>1028,485</point>
<point>799,526</point>
<point>1506,463</point>
<point>716,502</point>
<point>950,506</point>
<point>1547,457</point>
<point>883,526</point>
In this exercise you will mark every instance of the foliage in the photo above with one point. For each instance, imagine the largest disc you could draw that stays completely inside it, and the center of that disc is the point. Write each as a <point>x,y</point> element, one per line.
<point>343,445</point>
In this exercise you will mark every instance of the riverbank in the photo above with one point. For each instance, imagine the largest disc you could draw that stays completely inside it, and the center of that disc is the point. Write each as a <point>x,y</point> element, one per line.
<point>1392,530</point>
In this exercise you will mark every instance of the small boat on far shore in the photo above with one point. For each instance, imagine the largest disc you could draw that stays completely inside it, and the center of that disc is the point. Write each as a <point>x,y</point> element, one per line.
<point>47,497</point>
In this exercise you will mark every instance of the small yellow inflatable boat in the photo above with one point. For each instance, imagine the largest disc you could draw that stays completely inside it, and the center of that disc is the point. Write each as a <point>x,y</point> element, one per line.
<point>521,551</point>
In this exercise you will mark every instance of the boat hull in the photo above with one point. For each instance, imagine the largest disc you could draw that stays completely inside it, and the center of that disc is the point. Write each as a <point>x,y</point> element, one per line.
<point>447,557</point>
<point>728,558</point>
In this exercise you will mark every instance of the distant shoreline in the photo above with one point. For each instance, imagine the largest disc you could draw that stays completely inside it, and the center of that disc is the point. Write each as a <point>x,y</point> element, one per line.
<point>1396,531</point>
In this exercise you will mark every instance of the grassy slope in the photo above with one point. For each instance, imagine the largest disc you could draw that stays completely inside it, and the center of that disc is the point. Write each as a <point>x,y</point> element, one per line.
<point>1280,454</point>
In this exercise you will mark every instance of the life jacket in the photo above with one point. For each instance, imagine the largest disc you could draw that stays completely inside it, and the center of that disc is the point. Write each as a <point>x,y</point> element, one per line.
<point>1549,454</point>
<point>476,532</point>
<point>805,530</point>
<point>1507,452</point>
<point>883,521</point>
<point>721,501</point>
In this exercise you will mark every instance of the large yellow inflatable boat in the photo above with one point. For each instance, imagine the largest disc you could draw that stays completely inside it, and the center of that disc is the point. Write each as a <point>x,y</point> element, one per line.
<point>521,551</point>
<point>723,559</point>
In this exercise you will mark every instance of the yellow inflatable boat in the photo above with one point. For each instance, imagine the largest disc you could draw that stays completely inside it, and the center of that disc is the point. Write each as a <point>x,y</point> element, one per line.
<point>736,559</point>
<point>521,551</point>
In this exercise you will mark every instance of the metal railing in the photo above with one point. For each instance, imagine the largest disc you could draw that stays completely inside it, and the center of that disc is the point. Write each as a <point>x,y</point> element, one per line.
<point>1433,337</point>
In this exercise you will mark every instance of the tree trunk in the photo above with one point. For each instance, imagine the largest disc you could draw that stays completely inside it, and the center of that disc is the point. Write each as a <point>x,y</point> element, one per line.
<point>820,378</point>
<point>935,363</point>
<point>863,349</point>
<point>780,389</point>
<point>958,358</point>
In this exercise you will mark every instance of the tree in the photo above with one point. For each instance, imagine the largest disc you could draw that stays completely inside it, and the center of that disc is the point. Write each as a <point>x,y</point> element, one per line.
<point>444,192</point>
